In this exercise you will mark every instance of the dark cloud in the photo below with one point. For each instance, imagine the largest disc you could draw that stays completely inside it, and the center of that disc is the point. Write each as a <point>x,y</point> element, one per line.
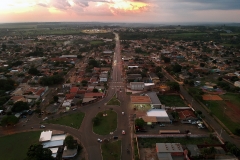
<point>201,4</point>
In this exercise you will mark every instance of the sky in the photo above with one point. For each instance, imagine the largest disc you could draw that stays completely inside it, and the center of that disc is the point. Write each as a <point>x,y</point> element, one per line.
<point>142,11</point>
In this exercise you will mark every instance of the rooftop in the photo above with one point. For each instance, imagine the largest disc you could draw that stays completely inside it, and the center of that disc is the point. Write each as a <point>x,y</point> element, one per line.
<point>169,147</point>
<point>157,113</point>
<point>141,99</point>
<point>45,136</point>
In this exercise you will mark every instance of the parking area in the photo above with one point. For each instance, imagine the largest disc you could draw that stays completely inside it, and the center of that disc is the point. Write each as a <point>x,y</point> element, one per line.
<point>193,128</point>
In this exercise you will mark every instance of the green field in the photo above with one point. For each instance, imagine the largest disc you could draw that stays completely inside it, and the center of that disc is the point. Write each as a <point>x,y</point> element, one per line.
<point>217,109</point>
<point>111,151</point>
<point>172,100</point>
<point>151,142</point>
<point>234,98</point>
<point>96,42</point>
<point>107,123</point>
<point>114,101</point>
<point>72,120</point>
<point>15,147</point>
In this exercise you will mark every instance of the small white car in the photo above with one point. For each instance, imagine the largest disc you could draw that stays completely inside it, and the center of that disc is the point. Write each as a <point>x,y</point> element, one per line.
<point>123,132</point>
<point>99,140</point>
<point>74,109</point>
<point>46,118</point>
<point>42,126</point>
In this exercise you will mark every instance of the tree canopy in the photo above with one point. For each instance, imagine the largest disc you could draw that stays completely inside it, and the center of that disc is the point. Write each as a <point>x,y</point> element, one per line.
<point>51,80</point>
<point>20,106</point>
<point>173,86</point>
<point>33,71</point>
<point>11,119</point>
<point>37,152</point>
<point>70,142</point>
<point>139,122</point>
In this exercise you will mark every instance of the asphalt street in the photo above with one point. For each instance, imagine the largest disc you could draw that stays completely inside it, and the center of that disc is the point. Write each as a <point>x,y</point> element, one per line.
<point>208,118</point>
<point>85,134</point>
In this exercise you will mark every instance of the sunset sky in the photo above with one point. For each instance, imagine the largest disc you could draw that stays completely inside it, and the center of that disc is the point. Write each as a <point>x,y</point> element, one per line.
<point>158,11</point>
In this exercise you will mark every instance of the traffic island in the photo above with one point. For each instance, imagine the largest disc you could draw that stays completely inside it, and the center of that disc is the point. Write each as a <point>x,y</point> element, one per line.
<point>114,101</point>
<point>111,150</point>
<point>105,122</point>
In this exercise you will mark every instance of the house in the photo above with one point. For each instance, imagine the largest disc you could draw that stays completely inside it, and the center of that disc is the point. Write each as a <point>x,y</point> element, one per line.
<point>160,114</point>
<point>185,115</point>
<point>74,90</point>
<point>54,140</point>
<point>103,77</point>
<point>137,86</point>
<point>168,151</point>
<point>237,84</point>
<point>93,95</point>
<point>107,52</point>
<point>155,100</point>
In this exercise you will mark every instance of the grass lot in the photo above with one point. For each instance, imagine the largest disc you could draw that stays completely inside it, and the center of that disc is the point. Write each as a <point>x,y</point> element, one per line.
<point>151,142</point>
<point>107,123</point>
<point>96,42</point>
<point>172,100</point>
<point>15,146</point>
<point>217,109</point>
<point>114,101</point>
<point>111,150</point>
<point>75,119</point>
<point>234,98</point>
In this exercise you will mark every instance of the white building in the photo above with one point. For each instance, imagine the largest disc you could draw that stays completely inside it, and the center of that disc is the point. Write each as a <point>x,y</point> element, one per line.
<point>137,86</point>
<point>237,84</point>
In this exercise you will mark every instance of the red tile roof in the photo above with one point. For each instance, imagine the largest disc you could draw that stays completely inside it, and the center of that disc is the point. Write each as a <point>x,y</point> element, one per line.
<point>186,114</point>
<point>74,90</point>
<point>93,95</point>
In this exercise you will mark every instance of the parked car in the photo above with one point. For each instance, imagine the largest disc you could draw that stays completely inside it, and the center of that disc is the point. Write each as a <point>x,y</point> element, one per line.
<point>123,132</point>
<point>194,122</point>
<point>115,137</point>
<point>99,140</point>
<point>162,125</point>
<point>42,126</point>
<point>46,118</point>
<point>74,109</point>
<point>200,125</point>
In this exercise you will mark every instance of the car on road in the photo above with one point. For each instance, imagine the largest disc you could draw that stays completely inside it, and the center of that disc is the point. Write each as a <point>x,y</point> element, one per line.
<point>162,125</point>
<point>42,126</point>
<point>46,118</point>
<point>99,140</point>
<point>123,132</point>
<point>74,109</point>
<point>115,137</point>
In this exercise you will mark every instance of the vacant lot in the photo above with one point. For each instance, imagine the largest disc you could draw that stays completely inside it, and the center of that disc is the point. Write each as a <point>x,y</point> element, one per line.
<point>227,115</point>
<point>234,98</point>
<point>172,100</point>
<point>72,120</point>
<point>107,122</point>
<point>96,42</point>
<point>111,150</point>
<point>151,142</point>
<point>14,147</point>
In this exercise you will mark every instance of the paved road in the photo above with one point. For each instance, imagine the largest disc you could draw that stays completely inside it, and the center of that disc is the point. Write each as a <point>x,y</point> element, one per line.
<point>85,133</point>
<point>116,86</point>
<point>209,119</point>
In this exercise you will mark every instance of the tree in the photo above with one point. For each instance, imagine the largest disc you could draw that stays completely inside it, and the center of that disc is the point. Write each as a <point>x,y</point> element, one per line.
<point>95,90</point>
<point>70,142</point>
<point>173,86</point>
<point>55,98</point>
<point>202,64</point>
<point>166,59</point>
<point>33,71</point>
<point>96,121</point>
<point>139,122</point>
<point>177,68</point>
<point>84,83</point>
<point>20,106</point>
<point>9,120</point>
<point>37,152</point>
